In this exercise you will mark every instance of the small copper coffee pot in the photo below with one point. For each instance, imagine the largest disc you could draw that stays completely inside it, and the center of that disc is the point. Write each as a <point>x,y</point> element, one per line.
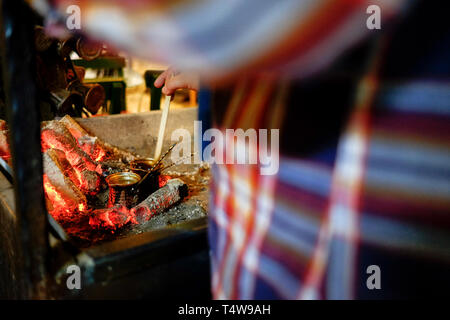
<point>123,189</point>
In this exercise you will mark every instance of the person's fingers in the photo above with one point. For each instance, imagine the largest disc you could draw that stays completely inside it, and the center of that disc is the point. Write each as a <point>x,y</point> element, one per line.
<point>170,81</point>
<point>181,81</point>
<point>163,77</point>
<point>159,82</point>
<point>173,84</point>
<point>168,91</point>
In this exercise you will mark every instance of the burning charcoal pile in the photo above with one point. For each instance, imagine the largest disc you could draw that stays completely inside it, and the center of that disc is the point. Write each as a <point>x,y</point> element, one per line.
<point>92,188</point>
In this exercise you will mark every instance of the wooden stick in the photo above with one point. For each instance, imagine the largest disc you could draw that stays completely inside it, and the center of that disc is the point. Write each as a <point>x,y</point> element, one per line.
<point>162,128</point>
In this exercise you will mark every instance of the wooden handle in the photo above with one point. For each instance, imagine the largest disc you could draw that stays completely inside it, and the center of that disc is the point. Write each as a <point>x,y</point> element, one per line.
<point>162,128</point>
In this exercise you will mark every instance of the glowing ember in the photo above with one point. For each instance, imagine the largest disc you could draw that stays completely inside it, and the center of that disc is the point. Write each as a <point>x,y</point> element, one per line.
<point>73,178</point>
<point>163,180</point>
<point>4,145</point>
<point>112,218</point>
<point>81,207</point>
<point>56,136</point>
<point>53,194</point>
<point>101,155</point>
<point>154,204</point>
<point>60,207</point>
<point>72,162</point>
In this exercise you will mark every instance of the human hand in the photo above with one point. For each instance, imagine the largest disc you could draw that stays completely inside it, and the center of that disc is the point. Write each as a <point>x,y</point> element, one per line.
<point>174,80</point>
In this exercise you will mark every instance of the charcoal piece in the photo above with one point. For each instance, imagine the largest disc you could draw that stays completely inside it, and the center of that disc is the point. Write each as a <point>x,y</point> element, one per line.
<point>96,148</point>
<point>58,186</point>
<point>160,200</point>
<point>55,135</point>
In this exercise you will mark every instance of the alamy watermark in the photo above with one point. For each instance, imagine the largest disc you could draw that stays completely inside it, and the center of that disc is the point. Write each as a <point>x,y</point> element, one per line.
<point>73,21</point>
<point>374,280</point>
<point>231,146</point>
<point>373,22</point>
<point>73,281</point>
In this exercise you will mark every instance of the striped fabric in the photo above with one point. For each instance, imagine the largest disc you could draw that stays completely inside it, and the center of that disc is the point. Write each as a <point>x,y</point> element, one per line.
<point>382,198</point>
<point>219,39</point>
<point>305,232</point>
